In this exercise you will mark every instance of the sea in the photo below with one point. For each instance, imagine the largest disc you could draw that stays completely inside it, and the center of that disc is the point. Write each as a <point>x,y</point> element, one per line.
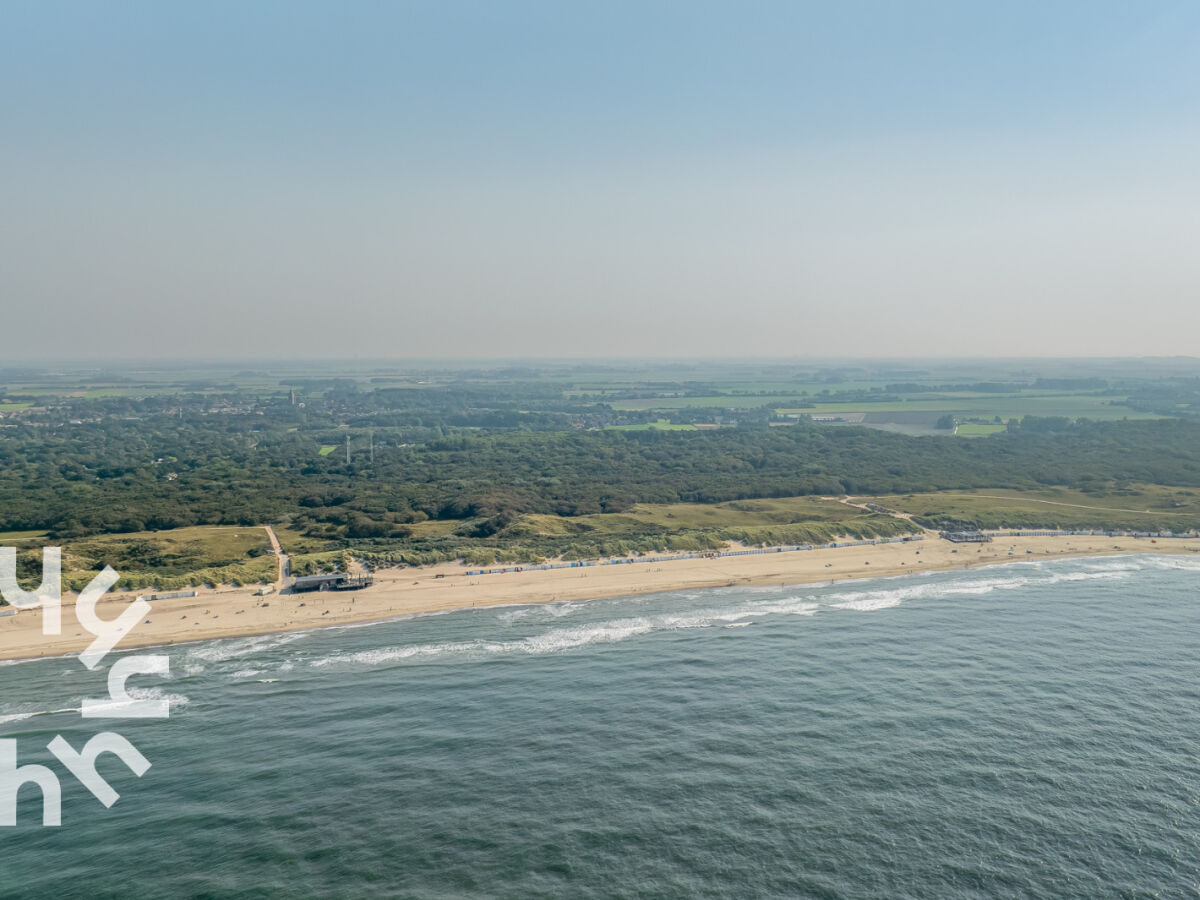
<point>1025,730</point>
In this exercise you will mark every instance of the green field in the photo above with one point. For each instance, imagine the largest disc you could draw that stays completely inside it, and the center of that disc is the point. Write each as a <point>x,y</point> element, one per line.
<point>660,425</point>
<point>723,393</point>
<point>326,449</point>
<point>985,406</point>
<point>970,430</point>
<point>727,401</point>
<point>914,413</point>
<point>22,538</point>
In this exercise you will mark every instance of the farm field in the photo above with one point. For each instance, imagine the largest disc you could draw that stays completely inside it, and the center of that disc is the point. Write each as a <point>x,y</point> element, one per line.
<point>915,413</point>
<point>661,425</point>
<point>727,401</point>
<point>968,429</point>
<point>984,406</point>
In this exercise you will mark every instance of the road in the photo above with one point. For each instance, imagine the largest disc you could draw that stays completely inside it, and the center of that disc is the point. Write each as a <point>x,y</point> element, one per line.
<point>285,565</point>
<point>849,501</point>
<point>1151,512</point>
<point>895,513</point>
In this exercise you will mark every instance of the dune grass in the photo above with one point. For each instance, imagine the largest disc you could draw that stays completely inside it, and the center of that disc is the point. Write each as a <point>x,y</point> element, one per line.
<point>1135,507</point>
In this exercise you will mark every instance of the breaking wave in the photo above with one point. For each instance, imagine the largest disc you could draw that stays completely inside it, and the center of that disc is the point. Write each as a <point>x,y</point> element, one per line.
<point>555,640</point>
<point>565,626</point>
<point>111,707</point>
<point>114,707</point>
<point>20,716</point>
<point>864,598</point>
<point>1179,563</point>
<point>868,600</point>
<point>198,657</point>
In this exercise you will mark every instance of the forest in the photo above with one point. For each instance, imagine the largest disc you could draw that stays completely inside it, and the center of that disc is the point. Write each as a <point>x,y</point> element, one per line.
<point>134,476</point>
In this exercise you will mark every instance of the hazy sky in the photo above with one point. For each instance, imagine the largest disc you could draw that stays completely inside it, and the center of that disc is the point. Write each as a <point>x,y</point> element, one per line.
<point>234,179</point>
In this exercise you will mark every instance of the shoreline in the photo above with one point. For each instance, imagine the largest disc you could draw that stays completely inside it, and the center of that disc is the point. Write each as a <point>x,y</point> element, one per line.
<point>400,593</point>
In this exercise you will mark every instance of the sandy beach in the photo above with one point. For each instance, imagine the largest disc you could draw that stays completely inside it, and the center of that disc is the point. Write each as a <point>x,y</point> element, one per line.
<point>226,613</point>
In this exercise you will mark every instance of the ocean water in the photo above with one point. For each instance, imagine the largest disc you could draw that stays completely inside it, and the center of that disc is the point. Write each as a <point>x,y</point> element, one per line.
<point>1030,730</point>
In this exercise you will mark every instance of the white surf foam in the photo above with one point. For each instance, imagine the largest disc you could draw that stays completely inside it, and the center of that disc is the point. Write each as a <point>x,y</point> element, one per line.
<point>114,707</point>
<point>219,651</point>
<point>870,600</point>
<point>109,707</point>
<point>17,717</point>
<point>878,594</point>
<point>784,606</point>
<point>556,640</point>
<point>541,610</point>
<point>29,714</point>
<point>1113,565</point>
<point>1178,563</point>
<point>1060,577</point>
<point>1035,575</point>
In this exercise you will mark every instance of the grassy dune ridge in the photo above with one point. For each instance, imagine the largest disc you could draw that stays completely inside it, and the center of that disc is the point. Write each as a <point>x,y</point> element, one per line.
<point>200,555</point>
<point>178,558</point>
<point>1136,508</point>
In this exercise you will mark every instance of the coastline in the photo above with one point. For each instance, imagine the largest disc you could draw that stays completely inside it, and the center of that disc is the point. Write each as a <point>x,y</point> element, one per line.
<point>235,613</point>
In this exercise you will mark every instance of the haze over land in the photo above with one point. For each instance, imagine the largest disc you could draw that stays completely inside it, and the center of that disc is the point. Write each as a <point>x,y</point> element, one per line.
<point>270,180</point>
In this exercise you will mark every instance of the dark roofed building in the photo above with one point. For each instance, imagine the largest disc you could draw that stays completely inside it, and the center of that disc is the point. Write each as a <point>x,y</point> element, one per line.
<point>318,582</point>
<point>338,581</point>
<point>966,537</point>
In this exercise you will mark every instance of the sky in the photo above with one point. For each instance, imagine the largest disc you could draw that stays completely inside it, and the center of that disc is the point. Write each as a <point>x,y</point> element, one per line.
<point>598,179</point>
